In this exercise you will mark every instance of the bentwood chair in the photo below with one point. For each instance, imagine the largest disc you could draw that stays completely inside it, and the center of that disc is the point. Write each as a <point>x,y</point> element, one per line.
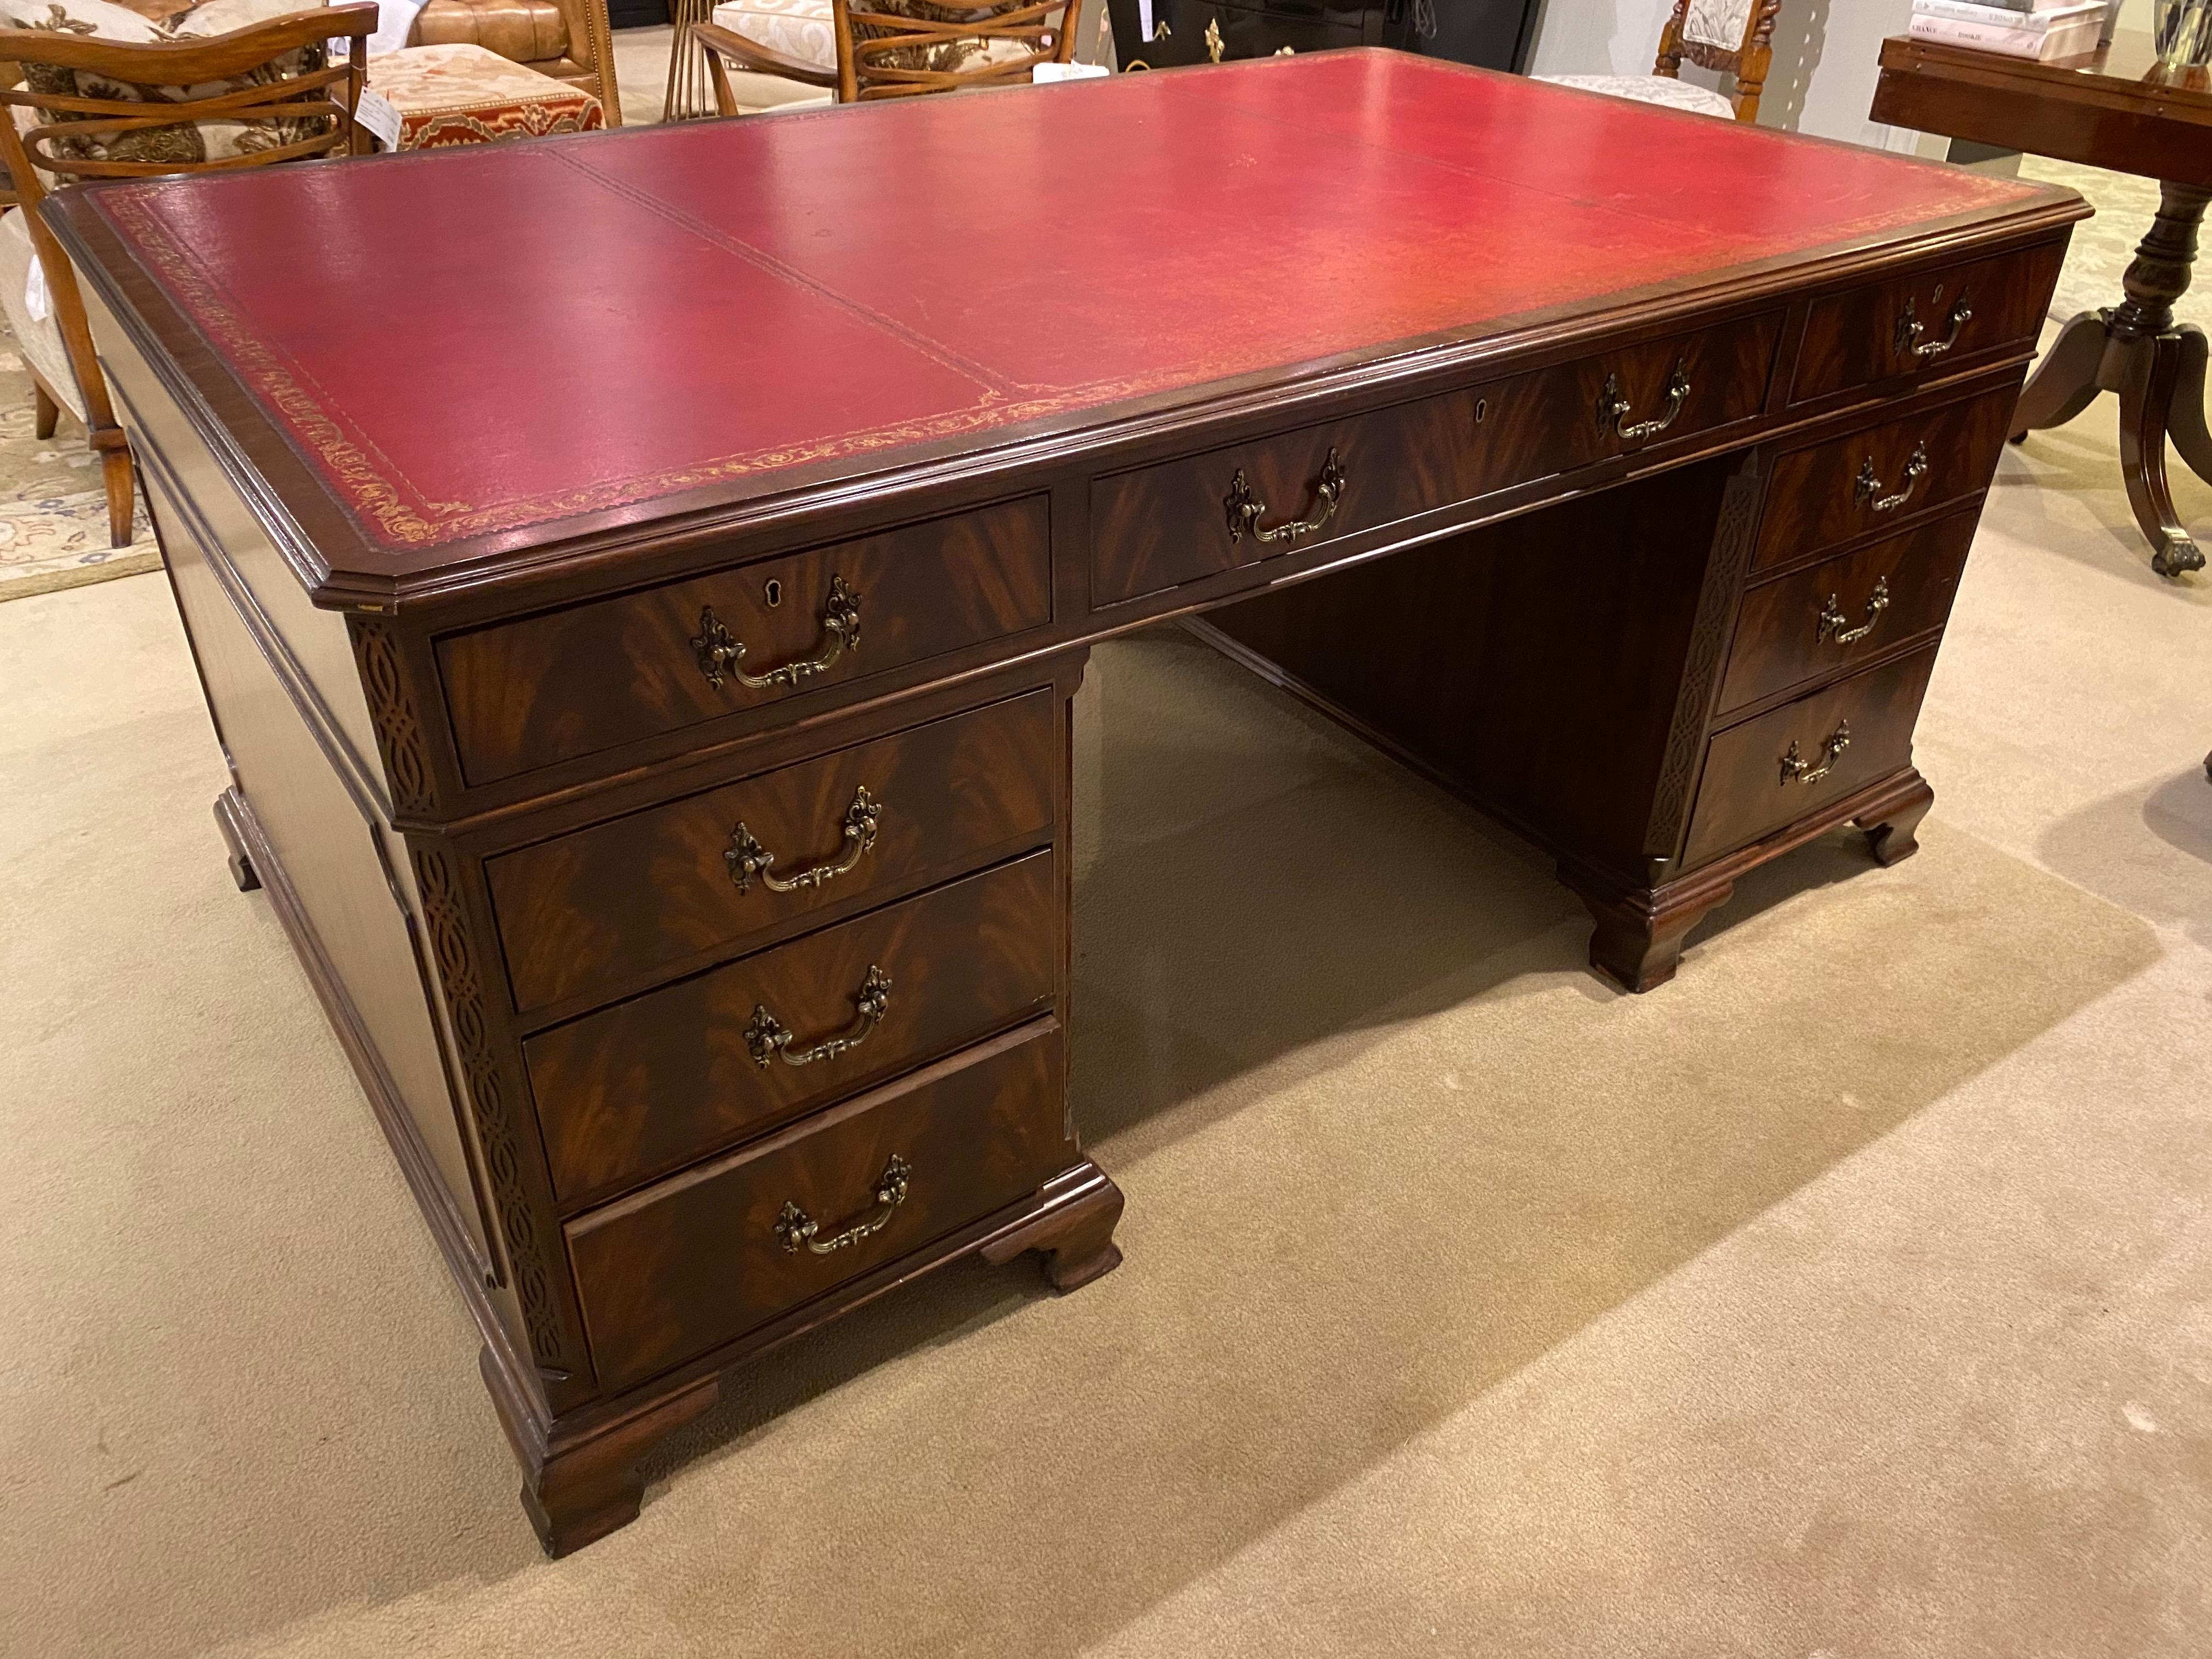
<point>1734,37</point>
<point>91,107</point>
<point>903,48</point>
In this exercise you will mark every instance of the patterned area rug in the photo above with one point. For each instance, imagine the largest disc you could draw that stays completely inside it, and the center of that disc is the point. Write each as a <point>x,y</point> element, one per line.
<point>54,513</point>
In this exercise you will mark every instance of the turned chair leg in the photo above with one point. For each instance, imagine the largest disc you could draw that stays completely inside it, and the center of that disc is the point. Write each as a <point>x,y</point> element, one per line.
<point>115,475</point>
<point>47,413</point>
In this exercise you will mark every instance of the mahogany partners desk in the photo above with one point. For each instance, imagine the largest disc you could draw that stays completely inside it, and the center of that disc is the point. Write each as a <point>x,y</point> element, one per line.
<point>639,581</point>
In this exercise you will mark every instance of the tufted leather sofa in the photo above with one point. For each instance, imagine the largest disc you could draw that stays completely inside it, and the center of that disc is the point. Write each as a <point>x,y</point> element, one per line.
<point>569,39</point>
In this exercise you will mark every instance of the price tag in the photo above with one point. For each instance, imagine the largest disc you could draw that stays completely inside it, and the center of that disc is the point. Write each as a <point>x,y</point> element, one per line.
<point>381,116</point>
<point>1044,74</point>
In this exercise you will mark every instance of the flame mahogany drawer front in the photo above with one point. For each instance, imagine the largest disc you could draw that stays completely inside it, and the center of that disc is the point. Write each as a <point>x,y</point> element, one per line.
<point>1816,622</point>
<point>604,909</point>
<point>1771,771</point>
<point>1835,492</point>
<point>656,1081</point>
<point>711,1254</point>
<point>1912,324</point>
<point>639,665</point>
<point>1159,527</point>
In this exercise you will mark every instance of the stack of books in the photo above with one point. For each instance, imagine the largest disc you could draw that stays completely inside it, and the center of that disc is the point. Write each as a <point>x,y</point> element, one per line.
<point>2041,29</point>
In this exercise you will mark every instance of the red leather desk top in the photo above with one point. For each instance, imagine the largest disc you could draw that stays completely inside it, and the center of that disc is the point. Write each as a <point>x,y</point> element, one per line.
<point>486,344</point>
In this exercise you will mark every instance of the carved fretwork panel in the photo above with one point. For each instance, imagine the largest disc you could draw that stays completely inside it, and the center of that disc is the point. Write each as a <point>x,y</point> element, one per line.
<point>399,738</point>
<point>505,1129</point>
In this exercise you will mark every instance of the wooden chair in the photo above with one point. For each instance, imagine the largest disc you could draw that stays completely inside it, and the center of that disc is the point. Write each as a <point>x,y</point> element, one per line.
<point>1735,37</point>
<point>931,47</point>
<point>257,95</point>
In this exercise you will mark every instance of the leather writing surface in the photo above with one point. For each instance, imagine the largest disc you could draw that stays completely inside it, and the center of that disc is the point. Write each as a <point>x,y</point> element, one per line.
<point>488,340</point>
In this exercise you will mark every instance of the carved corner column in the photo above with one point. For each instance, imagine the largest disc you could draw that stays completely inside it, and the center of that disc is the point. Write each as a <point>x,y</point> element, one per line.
<point>530,1282</point>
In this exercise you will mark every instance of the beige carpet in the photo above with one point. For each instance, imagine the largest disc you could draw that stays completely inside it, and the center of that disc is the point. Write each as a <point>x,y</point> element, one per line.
<point>1850,1296</point>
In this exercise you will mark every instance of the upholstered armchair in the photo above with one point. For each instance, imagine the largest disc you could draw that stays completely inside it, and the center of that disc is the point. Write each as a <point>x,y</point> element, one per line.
<point>1735,37</point>
<point>99,93</point>
<point>861,50</point>
<point>568,40</point>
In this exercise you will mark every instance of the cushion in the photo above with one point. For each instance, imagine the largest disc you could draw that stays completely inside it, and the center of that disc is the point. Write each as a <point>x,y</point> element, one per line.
<point>1717,22</point>
<point>460,93</point>
<point>958,52</point>
<point>221,16</point>
<point>38,339</point>
<point>1652,89</point>
<point>521,31</point>
<point>206,141</point>
<point>797,28</point>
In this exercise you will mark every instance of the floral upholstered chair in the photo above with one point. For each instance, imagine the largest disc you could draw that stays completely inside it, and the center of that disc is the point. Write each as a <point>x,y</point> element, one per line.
<point>1733,36</point>
<point>104,94</point>
<point>861,50</point>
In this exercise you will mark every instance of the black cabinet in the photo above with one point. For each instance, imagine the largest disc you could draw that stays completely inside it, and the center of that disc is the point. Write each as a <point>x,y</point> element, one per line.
<point>1494,33</point>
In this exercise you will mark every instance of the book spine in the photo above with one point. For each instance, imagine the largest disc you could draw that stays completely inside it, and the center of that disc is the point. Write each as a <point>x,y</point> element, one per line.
<point>2039,44</point>
<point>1957,32</point>
<point>1971,11</point>
<point>1975,11</point>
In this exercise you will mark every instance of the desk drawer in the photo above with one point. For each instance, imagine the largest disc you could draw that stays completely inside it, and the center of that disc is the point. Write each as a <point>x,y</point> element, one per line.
<point>577,682</point>
<point>648,1084</point>
<point>1834,492</point>
<point>1159,527</point>
<point>1926,321</point>
<point>1760,776</point>
<point>606,907</point>
<point>669,1272</point>
<point>1817,622</point>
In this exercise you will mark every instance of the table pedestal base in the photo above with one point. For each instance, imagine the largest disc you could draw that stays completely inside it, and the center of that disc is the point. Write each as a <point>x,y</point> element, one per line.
<point>2156,368</point>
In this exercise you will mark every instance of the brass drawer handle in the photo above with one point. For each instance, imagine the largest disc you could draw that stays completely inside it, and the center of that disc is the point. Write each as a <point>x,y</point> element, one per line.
<point>794,1227</point>
<point>1795,769</point>
<point>1613,409</point>
<point>747,858</point>
<point>769,1039</point>
<point>1246,509</point>
<point>1867,491</point>
<point>719,653</point>
<point>1909,328</point>
<point>1833,621</point>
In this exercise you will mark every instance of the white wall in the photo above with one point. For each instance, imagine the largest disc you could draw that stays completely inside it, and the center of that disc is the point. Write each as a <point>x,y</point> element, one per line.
<point>1826,54</point>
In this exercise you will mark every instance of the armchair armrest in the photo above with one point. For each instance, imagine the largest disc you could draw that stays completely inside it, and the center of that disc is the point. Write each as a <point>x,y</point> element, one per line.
<point>727,46</point>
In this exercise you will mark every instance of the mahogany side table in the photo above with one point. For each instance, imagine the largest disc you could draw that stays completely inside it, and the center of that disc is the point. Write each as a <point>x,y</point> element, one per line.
<point>2112,108</point>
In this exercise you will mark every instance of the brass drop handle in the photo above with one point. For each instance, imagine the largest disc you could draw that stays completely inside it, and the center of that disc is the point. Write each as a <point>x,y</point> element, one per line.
<point>770,1040</point>
<point>1795,769</point>
<point>719,653</point>
<point>1867,491</point>
<point>794,1227</point>
<point>1834,625</point>
<point>1613,410</point>
<point>1246,509</point>
<point>747,858</point>
<point>1909,328</point>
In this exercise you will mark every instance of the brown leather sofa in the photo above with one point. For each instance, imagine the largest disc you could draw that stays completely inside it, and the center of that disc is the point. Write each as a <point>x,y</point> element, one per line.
<point>568,40</point>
